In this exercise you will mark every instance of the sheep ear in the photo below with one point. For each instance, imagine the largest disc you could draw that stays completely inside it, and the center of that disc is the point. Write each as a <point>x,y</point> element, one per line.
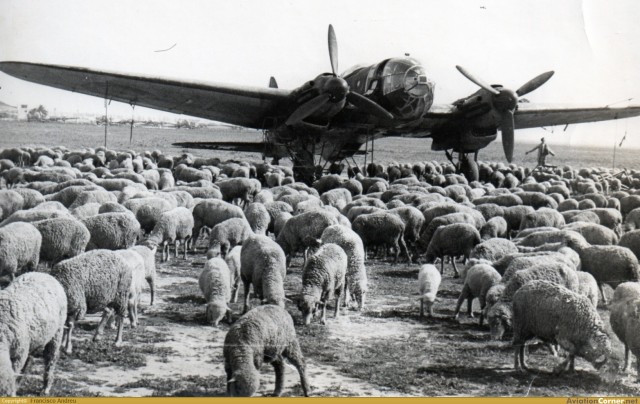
<point>232,380</point>
<point>286,299</point>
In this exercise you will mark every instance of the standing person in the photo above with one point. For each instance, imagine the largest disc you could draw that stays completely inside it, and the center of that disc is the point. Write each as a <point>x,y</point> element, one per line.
<point>543,151</point>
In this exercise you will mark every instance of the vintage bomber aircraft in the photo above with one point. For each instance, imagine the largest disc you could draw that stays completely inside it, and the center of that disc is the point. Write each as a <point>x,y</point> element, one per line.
<point>333,115</point>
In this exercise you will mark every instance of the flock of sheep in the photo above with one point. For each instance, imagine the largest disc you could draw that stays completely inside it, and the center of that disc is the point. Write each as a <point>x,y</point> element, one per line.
<point>80,231</point>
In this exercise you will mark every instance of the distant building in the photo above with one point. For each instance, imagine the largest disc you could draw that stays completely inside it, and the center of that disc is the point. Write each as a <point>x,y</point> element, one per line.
<point>23,111</point>
<point>7,111</point>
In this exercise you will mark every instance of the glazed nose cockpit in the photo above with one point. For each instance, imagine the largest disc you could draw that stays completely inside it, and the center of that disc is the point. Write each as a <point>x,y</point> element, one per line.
<point>406,87</point>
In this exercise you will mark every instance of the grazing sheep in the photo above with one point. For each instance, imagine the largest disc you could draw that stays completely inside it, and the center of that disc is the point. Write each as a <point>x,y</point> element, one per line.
<point>226,235</point>
<point>258,217</point>
<point>210,212</point>
<point>137,265</point>
<point>356,276</point>
<point>323,278</point>
<point>430,229</point>
<point>610,264</point>
<point>588,287</point>
<point>623,318</point>
<point>233,262</point>
<point>263,264</point>
<point>215,286</point>
<point>594,233</point>
<point>265,334</point>
<point>242,190</point>
<point>495,227</point>
<point>305,226</point>
<point>149,257</point>
<point>631,240</point>
<point>428,284</point>
<point>480,278</point>
<point>452,240</point>
<point>174,226</point>
<point>493,249</point>
<point>382,229</point>
<point>556,272</point>
<point>500,319</point>
<point>62,238</point>
<point>112,231</point>
<point>20,245</point>
<point>555,314</point>
<point>542,217</point>
<point>31,197</point>
<point>32,315</point>
<point>10,201</point>
<point>413,223</point>
<point>98,280</point>
<point>514,215</point>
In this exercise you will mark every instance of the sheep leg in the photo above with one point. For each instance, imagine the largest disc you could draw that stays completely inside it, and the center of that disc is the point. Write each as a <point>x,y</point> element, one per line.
<point>106,315</point>
<point>68,348</point>
<point>455,269</point>
<point>234,293</point>
<point>604,298</point>
<point>323,319</point>
<point>120,321</point>
<point>24,367</point>
<point>463,295</point>
<point>405,250</point>
<point>421,307</point>
<point>442,266</point>
<point>176,245</point>
<point>133,314</point>
<point>517,358</point>
<point>470,307</point>
<point>278,366</point>
<point>152,286</point>
<point>626,358</point>
<point>338,295</point>
<point>294,355</point>
<point>563,365</point>
<point>246,297</point>
<point>552,349</point>
<point>51,355</point>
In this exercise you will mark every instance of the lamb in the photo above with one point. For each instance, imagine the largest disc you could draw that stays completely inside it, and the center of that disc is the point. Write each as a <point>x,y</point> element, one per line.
<point>174,226</point>
<point>323,278</point>
<point>226,235</point>
<point>382,229</point>
<point>263,264</point>
<point>258,217</point>
<point>623,318</point>
<point>428,283</point>
<point>266,333</point>
<point>495,227</point>
<point>610,264</point>
<point>20,245</point>
<point>298,229</point>
<point>356,276</point>
<point>480,278</point>
<point>555,314</point>
<point>98,280</point>
<point>452,240</point>
<point>62,238</point>
<point>209,213</point>
<point>112,231</point>
<point>215,285</point>
<point>32,315</point>
<point>233,262</point>
<point>149,257</point>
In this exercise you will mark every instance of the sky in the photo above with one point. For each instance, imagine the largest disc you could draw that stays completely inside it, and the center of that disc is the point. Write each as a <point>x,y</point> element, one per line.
<point>592,45</point>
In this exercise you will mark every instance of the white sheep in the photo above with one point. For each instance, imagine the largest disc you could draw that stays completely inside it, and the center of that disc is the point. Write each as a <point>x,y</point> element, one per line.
<point>19,248</point>
<point>33,310</point>
<point>233,262</point>
<point>228,234</point>
<point>428,284</point>
<point>263,264</point>
<point>323,278</point>
<point>174,226</point>
<point>479,279</point>
<point>215,286</point>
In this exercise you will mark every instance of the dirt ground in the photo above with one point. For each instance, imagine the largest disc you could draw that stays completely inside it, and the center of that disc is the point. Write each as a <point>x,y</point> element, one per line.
<point>386,350</point>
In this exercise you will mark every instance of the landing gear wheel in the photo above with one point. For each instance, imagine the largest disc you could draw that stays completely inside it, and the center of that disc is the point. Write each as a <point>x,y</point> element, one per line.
<point>469,167</point>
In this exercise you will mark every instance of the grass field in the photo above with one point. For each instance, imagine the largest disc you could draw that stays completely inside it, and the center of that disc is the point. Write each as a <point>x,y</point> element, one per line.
<point>386,350</point>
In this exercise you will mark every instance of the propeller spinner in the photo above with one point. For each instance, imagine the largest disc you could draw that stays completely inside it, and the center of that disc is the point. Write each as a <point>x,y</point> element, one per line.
<point>505,102</point>
<point>335,89</point>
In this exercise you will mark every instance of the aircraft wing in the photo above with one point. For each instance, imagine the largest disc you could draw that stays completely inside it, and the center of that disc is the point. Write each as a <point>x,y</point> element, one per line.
<point>533,116</point>
<point>237,105</point>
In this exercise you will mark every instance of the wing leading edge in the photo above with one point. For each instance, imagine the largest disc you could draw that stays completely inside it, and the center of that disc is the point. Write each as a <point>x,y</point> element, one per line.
<point>533,116</point>
<point>237,105</point>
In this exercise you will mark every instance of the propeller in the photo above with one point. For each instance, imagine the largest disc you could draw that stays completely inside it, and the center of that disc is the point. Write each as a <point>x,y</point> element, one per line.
<point>505,102</point>
<point>335,89</point>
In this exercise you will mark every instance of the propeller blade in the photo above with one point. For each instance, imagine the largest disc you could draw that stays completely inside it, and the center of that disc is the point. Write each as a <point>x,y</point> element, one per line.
<point>273,83</point>
<point>308,108</point>
<point>371,107</point>
<point>534,83</point>
<point>333,50</point>
<point>477,81</point>
<point>507,128</point>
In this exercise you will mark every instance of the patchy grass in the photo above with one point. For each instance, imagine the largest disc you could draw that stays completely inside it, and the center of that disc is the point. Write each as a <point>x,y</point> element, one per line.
<point>189,386</point>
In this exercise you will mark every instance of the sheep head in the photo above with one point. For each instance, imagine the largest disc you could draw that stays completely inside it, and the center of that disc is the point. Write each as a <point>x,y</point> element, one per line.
<point>244,383</point>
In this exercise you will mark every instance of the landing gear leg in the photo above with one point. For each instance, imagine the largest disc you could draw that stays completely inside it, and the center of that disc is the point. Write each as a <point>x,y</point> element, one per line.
<point>469,167</point>
<point>303,167</point>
